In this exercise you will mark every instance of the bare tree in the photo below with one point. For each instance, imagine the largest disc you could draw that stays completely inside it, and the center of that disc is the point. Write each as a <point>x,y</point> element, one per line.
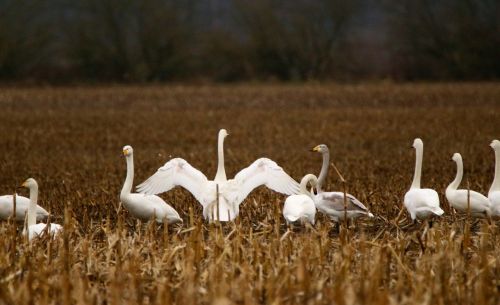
<point>299,39</point>
<point>25,36</point>
<point>129,39</point>
<point>445,39</point>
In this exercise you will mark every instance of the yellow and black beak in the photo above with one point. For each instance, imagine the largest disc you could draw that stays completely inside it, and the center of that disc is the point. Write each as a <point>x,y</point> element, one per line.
<point>125,152</point>
<point>316,149</point>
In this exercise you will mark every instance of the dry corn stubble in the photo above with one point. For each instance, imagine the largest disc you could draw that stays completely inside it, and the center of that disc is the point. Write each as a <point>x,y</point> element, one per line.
<point>70,140</point>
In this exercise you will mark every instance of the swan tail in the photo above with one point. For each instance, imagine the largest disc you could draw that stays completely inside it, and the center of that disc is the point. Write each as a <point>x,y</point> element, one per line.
<point>438,211</point>
<point>292,218</point>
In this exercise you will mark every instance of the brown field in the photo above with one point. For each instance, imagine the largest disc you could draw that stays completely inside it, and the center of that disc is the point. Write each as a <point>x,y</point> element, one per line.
<point>71,139</point>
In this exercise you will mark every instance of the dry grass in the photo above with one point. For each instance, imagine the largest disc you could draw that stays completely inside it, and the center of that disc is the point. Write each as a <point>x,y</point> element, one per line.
<point>70,140</point>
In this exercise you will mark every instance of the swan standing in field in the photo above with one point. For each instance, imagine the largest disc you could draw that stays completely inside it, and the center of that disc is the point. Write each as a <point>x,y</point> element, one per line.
<point>421,203</point>
<point>143,206</point>
<point>36,229</point>
<point>494,192</point>
<point>301,207</point>
<point>459,199</point>
<point>332,203</point>
<point>22,204</point>
<point>232,192</point>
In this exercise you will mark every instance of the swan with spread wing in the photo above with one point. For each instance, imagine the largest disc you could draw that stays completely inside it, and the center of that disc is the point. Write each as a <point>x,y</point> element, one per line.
<point>231,193</point>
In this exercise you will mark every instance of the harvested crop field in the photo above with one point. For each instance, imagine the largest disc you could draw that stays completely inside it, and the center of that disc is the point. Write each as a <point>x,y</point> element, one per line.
<point>70,140</point>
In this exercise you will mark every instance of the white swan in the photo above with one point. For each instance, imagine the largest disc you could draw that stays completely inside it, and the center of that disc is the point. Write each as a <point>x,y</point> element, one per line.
<point>332,203</point>
<point>494,192</point>
<point>178,172</point>
<point>143,206</point>
<point>301,207</point>
<point>421,203</point>
<point>22,204</point>
<point>36,229</point>
<point>459,199</point>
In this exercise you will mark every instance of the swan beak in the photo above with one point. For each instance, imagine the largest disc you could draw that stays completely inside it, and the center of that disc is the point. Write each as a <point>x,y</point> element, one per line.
<point>315,148</point>
<point>125,152</point>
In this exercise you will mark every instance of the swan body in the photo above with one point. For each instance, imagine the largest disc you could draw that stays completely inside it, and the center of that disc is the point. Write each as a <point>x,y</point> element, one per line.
<point>421,203</point>
<point>22,204</point>
<point>231,193</point>
<point>460,199</point>
<point>494,192</point>
<point>32,228</point>
<point>144,206</point>
<point>494,198</point>
<point>301,207</point>
<point>38,229</point>
<point>332,203</point>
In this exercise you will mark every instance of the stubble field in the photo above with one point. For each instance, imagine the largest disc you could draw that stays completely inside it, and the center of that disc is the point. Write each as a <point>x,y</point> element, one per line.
<point>70,140</point>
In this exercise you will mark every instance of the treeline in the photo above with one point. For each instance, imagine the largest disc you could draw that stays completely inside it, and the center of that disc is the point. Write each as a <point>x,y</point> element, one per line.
<point>231,40</point>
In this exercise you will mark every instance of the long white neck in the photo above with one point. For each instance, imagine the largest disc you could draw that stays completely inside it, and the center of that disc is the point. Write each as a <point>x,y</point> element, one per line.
<point>324,170</point>
<point>127,186</point>
<point>221,171</point>
<point>419,151</point>
<point>458,178</point>
<point>495,186</point>
<point>32,206</point>
<point>305,181</point>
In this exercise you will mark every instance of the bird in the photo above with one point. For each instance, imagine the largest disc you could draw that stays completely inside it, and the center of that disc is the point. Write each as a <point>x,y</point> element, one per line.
<point>33,229</point>
<point>300,207</point>
<point>421,203</point>
<point>220,197</point>
<point>142,206</point>
<point>22,203</point>
<point>332,203</point>
<point>494,192</point>
<point>462,200</point>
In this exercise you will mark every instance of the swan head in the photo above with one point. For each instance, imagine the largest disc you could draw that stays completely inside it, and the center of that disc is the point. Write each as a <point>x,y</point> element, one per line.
<point>223,133</point>
<point>128,150</point>
<point>322,148</point>
<point>29,183</point>
<point>456,157</point>
<point>418,143</point>
<point>495,144</point>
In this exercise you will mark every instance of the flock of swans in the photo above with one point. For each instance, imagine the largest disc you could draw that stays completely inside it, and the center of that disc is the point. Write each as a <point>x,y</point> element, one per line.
<point>221,197</point>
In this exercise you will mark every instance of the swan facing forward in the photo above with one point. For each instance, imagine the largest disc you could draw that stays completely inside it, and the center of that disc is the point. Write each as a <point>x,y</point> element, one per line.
<point>421,203</point>
<point>332,203</point>
<point>461,198</point>
<point>22,204</point>
<point>232,192</point>
<point>143,206</point>
<point>301,207</point>
<point>494,192</point>
<point>36,229</point>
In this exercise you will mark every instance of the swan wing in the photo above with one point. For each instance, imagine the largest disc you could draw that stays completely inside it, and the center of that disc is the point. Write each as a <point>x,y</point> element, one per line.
<point>266,172</point>
<point>335,201</point>
<point>176,172</point>
<point>420,198</point>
